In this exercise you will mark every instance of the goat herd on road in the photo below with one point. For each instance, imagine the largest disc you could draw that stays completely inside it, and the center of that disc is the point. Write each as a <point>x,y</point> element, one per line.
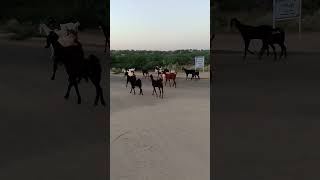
<point>66,49</point>
<point>161,75</point>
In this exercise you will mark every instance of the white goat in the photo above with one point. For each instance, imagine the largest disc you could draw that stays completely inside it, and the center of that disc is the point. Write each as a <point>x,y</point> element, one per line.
<point>131,71</point>
<point>65,39</point>
<point>70,26</point>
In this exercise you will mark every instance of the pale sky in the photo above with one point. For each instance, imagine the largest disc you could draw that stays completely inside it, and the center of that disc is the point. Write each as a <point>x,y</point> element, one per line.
<point>160,24</point>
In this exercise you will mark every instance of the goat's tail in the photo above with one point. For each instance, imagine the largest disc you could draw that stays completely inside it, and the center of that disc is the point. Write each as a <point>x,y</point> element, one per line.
<point>282,33</point>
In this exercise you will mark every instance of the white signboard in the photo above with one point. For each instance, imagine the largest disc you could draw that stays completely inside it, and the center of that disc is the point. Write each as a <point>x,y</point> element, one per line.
<point>286,9</point>
<point>199,62</point>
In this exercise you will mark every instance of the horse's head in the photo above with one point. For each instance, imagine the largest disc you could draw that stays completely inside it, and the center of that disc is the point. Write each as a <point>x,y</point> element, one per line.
<point>234,21</point>
<point>51,38</point>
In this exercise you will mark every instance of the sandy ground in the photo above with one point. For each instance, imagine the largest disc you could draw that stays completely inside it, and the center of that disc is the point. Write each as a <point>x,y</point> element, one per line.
<point>266,116</point>
<point>159,139</point>
<point>43,136</point>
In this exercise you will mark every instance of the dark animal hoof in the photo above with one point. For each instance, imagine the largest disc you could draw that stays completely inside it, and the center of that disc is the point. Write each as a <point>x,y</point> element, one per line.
<point>52,78</point>
<point>66,97</point>
<point>79,101</point>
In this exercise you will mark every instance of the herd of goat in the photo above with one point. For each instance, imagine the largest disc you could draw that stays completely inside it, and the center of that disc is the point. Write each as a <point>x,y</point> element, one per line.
<point>67,50</point>
<point>163,75</point>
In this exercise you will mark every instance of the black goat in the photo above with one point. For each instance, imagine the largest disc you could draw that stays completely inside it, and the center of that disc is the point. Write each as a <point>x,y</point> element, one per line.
<point>77,66</point>
<point>157,83</point>
<point>192,72</point>
<point>145,73</point>
<point>274,36</point>
<point>195,74</point>
<point>135,82</point>
<point>249,33</point>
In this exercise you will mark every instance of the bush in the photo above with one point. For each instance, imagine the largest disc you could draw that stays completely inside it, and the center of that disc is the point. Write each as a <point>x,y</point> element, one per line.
<point>116,70</point>
<point>20,31</point>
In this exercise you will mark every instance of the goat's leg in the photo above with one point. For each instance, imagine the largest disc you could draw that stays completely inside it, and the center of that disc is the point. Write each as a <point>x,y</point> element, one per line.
<point>97,94</point>
<point>66,96</point>
<point>283,50</point>
<point>154,90</point>
<point>246,46</point>
<point>268,52</point>
<point>264,47</point>
<point>274,52</point>
<point>105,46</point>
<point>101,96</point>
<point>55,67</point>
<point>174,83</point>
<point>77,91</point>
<point>160,91</point>
<point>140,90</point>
<point>169,83</point>
<point>51,50</point>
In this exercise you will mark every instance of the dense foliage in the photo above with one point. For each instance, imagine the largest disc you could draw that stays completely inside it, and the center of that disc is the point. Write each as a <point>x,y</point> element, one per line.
<point>150,59</point>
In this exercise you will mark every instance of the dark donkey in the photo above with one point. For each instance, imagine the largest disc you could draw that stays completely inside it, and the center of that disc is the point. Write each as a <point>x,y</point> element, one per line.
<point>77,67</point>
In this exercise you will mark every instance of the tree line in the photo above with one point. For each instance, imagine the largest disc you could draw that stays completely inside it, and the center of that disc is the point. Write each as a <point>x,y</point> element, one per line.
<point>143,59</point>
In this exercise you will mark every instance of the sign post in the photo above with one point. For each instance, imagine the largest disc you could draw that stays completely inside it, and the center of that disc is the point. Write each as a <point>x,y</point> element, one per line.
<point>199,62</point>
<point>287,10</point>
